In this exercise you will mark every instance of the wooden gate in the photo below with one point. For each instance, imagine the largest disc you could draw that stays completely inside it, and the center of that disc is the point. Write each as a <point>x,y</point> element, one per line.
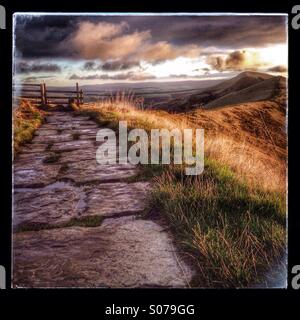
<point>39,94</point>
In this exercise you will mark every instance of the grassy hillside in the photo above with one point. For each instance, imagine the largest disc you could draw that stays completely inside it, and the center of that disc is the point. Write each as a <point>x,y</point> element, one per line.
<point>245,87</point>
<point>261,124</point>
<point>262,90</point>
<point>239,82</point>
<point>230,220</point>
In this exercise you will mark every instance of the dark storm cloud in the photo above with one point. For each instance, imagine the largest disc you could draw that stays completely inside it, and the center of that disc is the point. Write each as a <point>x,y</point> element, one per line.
<point>119,65</point>
<point>91,66</point>
<point>48,36</point>
<point>39,36</point>
<point>25,67</point>
<point>224,31</point>
<point>110,65</point>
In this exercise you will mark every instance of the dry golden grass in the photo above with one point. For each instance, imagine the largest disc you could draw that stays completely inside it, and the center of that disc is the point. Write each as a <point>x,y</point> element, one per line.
<point>230,220</point>
<point>26,119</point>
<point>248,162</point>
<point>251,153</point>
<point>121,102</point>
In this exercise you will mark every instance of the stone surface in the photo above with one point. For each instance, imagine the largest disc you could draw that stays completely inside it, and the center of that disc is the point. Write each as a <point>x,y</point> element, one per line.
<point>110,199</point>
<point>34,174</point>
<point>53,137</point>
<point>34,147</point>
<point>52,204</point>
<point>123,252</point>
<point>75,155</point>
<point>82,172</point>
<point>72,145</point>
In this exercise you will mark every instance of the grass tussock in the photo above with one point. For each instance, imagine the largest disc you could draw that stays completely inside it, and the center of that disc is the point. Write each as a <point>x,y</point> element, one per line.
<point>121,102</point>
<point>233,233</point>
<point>230,219</point>
<point>26,119</point>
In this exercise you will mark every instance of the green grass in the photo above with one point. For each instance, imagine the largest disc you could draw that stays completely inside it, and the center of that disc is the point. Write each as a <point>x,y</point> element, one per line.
<point>87,221</point>
<point>230,231</point>
<point>233,234</point>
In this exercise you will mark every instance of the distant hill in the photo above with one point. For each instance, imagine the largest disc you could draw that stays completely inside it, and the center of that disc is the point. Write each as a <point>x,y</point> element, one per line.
<point>145,87</point>
<point>263,90</point>
<point>245,87</point>
<point>241,81</point>
<point>255,114</point>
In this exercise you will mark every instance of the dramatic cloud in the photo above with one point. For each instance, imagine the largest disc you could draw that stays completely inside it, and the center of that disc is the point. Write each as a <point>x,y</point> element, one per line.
<point>48,36</point>
<point>236,60</point>
<point>279,69</point>
<point>131,76</point>
<point>111,65</point>
<point>222,31</point>
<point>91,66</point>
<point>24,67</point>
<point>105,41</point>
<point>137,48</point>
<point>163,50</point>
<point>119,65</point>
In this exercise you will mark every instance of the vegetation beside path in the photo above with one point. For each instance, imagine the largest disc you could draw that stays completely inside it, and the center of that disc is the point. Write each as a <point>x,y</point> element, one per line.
<point>231,227</point>
<point>26,120</point>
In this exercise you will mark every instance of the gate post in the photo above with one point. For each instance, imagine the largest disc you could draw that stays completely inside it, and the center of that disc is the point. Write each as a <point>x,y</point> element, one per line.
<point>45,93</point>
<point>78,94</point>
<point>81,96</point>
<point>42,94</point>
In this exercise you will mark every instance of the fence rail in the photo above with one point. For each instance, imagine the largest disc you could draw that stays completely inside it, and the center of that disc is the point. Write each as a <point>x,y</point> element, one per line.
<point>41,95</point>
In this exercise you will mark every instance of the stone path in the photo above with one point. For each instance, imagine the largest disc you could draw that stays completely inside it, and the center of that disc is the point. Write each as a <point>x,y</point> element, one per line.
<point>57,179</point>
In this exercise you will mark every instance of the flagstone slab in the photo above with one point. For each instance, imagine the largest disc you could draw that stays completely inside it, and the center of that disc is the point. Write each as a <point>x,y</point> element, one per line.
<point>51,205</point>
<point>35,175</point>
<point>122,252</point>
<point>116,199</point>
<point>84,172</point>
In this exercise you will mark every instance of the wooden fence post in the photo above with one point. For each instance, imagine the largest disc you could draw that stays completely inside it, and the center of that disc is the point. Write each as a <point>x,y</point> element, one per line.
<point>81,96</point>
<point>78,94</point>
<point>42,94</point>
<point>45,94</point>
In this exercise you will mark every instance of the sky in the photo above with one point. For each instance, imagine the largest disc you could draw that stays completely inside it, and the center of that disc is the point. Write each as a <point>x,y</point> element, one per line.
<point>62,50</point>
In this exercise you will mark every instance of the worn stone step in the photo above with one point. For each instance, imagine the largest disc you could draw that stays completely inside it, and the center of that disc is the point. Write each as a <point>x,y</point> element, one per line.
<point>111,199</point>
<point>82,172</point>
<point>35,175</point>
<point>51,205</point>
<point>122,252</point>
<point>61,201</point>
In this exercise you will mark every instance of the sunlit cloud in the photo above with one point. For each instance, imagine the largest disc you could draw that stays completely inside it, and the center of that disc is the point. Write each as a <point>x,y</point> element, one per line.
<point>106,41</point>
<point>105,49</point>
